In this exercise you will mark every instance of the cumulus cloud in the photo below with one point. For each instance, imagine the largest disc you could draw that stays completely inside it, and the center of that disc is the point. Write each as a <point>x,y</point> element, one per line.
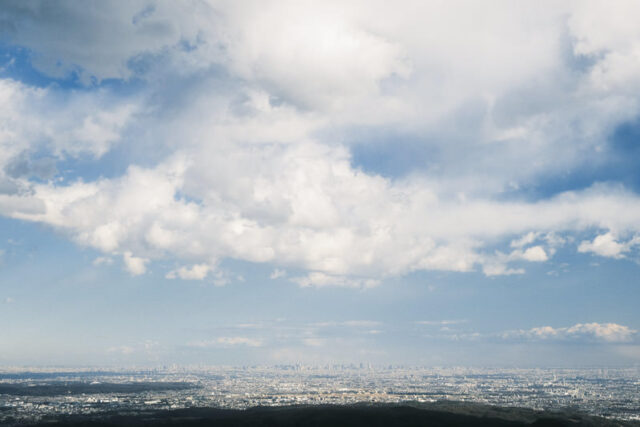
<point>497,264</point>
<point>42,126</point>
<point>381,234</point>
<point>606,245</point>
<point>593,333</point>
<point>244,138</point>
<point>58,123</point>
<point>535,254</point>
<point>598,332</point>
<point>195,272</point>
<point>134,265</point>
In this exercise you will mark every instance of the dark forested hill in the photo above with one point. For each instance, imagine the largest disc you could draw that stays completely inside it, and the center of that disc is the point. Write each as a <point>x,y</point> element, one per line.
<point>432,415</point>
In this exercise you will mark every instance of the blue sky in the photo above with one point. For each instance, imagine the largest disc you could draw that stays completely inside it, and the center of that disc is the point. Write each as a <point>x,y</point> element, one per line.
<point>277,182</point>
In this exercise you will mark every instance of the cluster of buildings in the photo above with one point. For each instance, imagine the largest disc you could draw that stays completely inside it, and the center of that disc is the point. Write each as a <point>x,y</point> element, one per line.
<point>605,392</point>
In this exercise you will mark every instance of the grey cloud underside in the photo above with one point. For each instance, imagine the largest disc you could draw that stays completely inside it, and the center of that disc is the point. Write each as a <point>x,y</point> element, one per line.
<point>253,108</point>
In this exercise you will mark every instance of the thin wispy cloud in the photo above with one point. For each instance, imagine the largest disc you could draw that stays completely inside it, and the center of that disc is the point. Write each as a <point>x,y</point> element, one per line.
<point>224,342</point>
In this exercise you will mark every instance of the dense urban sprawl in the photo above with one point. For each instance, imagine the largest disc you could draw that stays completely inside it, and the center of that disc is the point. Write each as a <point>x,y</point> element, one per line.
<point>36,394</point>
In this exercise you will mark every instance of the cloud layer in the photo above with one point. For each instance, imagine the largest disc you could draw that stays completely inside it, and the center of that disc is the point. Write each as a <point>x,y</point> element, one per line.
<point>241,127</point>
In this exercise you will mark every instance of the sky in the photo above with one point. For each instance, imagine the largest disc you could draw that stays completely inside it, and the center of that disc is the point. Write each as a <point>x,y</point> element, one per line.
<point>274,182</point>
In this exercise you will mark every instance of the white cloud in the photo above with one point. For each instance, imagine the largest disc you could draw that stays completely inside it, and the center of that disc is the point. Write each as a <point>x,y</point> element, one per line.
<point>320,280</point>
<point>61,124</point>
<point>500,270</point>
<point>9,300</point>
<point>41,126</point>
<point>381,235</point>
<point>599,332</point>
<point>255,163</point>
<point>610,332</point>
<point>497,264</point>
<point>314,55</point>
<point>606,245</point>
<point>535,254</point>
<point>134,265</point>
<point>525,240</point>
<point>195,272</point>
